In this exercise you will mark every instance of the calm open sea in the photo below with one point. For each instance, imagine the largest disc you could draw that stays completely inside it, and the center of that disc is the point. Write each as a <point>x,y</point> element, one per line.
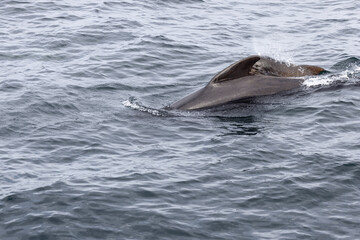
<point>87,151</point>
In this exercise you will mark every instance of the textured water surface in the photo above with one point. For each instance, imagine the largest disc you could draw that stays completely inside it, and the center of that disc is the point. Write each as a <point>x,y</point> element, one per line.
<point>88,152</point>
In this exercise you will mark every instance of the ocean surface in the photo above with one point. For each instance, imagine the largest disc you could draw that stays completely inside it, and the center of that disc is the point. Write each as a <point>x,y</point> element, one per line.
<point>87,150</point>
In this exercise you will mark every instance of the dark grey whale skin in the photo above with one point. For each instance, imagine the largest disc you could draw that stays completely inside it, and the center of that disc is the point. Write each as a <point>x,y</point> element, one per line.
<point>253,76</point>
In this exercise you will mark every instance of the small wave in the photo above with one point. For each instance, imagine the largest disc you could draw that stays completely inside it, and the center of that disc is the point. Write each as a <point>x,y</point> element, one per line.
<point>133,104</point>
<point>348,76</point>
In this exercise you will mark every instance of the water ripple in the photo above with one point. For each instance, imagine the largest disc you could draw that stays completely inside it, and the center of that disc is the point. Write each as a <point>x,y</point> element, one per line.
<point>87,150</point>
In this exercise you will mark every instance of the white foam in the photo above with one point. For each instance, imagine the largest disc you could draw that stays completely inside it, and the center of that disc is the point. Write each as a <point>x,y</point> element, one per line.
<point>346,76</point>
<point>133,105</point>
<point>318,81</point>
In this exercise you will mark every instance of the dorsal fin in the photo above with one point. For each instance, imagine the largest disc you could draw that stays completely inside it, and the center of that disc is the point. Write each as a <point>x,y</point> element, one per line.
<point>236,70</point>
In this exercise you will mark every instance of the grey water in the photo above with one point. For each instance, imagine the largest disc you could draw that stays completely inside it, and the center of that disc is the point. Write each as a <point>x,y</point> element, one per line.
<point>87,150</point>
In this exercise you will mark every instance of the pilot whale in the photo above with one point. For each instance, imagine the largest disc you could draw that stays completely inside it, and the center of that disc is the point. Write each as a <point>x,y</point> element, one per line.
<point>250,77</point>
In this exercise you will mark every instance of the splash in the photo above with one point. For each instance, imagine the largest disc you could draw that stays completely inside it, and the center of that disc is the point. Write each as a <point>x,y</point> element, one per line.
<point>133,104</point>
<point>273,46</point>
<point>348,76</point>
